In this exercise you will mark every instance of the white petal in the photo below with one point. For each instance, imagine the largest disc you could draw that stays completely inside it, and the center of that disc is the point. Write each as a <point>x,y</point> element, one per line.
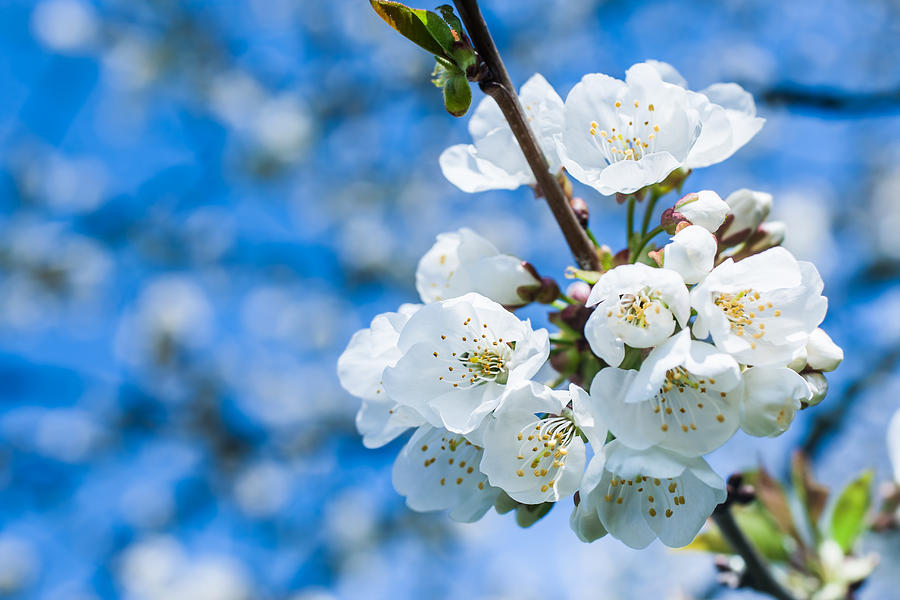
<point>545,112</point>
<point>602,340</point>
<point>369,351</point>
<point>750,208</point>
<point>586,523</point>
<point>772,396</point>
<point>667,72</point>
<point>464,168</point>
<point>437,470</point>
<point>380,421</point>
<point>691,253</point>
<point>499,277</point>
<point>686,519</point>
<point>822,354</point>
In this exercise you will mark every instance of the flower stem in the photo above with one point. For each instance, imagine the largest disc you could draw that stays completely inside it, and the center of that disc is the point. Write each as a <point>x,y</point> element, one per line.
<point>495,82</point>
<point>648,211</point>
<point>646,239</point>
<point>758,575</point>
<point>630,219</point>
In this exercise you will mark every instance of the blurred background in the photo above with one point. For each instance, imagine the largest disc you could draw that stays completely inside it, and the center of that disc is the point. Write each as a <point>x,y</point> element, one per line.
<point>200,201</point>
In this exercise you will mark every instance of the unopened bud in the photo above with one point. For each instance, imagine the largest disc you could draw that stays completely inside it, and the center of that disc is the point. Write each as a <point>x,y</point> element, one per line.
<point>818,387</point>
<point>579,207</point>
<point>670,219</point>
<point>657,256</point>
<point>548,292</point>
<point>704,208</point>
<point>768,235</point>
<point>578,291</point>
<point>822,353</point>
<point>748,209</point>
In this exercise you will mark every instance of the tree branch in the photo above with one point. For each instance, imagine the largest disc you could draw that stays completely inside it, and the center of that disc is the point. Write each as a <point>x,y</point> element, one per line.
<point>758,575</point>
<point>495,82</point>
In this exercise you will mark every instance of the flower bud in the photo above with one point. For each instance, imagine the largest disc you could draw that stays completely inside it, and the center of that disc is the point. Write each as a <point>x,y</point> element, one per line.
<point>822,353</point>
<point>768,235</point>
<point>579,207</point>
<point>691,253</point>
<point>749,208</point>
<point>798,361</point>
<point>772,396</point>
<point>578,291</point>
<point>818,387</point>
<point>704,208</point>
<point>670,219</point>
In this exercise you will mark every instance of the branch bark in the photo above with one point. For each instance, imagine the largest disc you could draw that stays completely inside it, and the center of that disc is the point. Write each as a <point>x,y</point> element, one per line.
<point>495,82</point>
<point>758,575</point>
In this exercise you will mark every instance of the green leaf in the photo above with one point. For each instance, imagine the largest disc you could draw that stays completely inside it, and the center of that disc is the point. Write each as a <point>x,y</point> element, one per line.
<point>752,520</point>
<point>848,517</point>
<point>457,94</point>
<point>422,27</point>
<point>529,514</point>
<point>772,496</point>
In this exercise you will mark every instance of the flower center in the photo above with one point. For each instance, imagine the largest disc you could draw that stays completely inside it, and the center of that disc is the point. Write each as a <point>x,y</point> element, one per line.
<point>677,400</point>
<point>478,357</point>
<point>746,311</point>
<point>632,137</point>
<point>663,496</point>
<point>635,308</point>
<point>543,448</point>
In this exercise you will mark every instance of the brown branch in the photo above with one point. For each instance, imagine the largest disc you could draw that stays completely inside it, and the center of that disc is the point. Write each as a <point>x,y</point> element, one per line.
<point>758,575</point>
<point>494,81</point>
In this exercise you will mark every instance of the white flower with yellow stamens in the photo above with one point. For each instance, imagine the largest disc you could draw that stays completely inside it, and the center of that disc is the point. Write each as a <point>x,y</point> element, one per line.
<point>463,261</point>
<point>494,161</point>
<point>438,470</point>
<point>640,495</point>
<point>637,305</point>
<point>762,309</point>
<point>623,135</point>
<point>686,397</point>
<point>359,369</point>
<point>459,358</point>
<point>533,449</point>
<point>727,113</point>
<point>772,396</point>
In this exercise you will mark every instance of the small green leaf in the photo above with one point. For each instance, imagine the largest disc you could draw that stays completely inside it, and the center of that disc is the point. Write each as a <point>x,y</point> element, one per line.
<point>529,514</point>
<point>848,517</point>
<point>752,520</point>
<point>422,27</point>
<point>457,94</point>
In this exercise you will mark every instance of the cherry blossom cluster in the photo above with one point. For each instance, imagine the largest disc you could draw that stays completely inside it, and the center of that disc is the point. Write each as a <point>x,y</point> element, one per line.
<point>668,353</point>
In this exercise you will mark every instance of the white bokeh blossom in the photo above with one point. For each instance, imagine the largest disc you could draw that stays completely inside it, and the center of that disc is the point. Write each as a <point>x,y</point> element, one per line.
<point>459,358</point>
<point>686,397</point>
<point>494,161</point>
<point>637,305</point>
<point>761,309</point>
<point>463,261</point>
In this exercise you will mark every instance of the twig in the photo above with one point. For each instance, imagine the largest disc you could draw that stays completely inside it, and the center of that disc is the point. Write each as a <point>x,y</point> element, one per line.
<point>758,575</point>
<point>495,82</point>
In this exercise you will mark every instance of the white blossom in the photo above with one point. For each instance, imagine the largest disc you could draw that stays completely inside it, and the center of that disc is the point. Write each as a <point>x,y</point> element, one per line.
<point>686,397</point>
<point>760,309</point>
<point>640,495</point>
<point>749,209</point>
<point>458,358</point>
<point>727,114</point>
<point>359,369</point>
<point>772,396</point>
<point>822,354</point>
<point>494,161</point>
<point>637,305</point>
<point>438,470</point>
<point>532,447</point>
<point>463,261</point>
<point>691,253</point>
<point>704,208</point>
<point>623,135</point>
